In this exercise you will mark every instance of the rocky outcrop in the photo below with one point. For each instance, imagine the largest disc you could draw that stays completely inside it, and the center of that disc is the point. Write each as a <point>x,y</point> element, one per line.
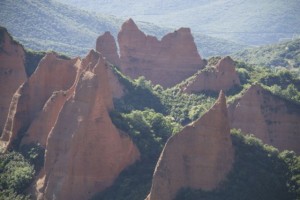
<point>52,74</point>
<point>220,77</point>
<point>106,45</point>
<point>85,151</point>
<point>12,72</point>
<point>199,157</point>
<point>272,119</point>
<point>64,107</point>
<point>42,124</point>
<point>166,62</point>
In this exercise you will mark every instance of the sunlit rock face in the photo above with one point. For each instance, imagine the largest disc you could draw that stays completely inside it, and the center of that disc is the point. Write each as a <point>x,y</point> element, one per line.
<point>198,157</point>
<point>85,152</point>
<point>52,74</point>
<point>272,119</point>
<point>64,107</point>
<point>166,62</point>
<point>220,77</point>
<point>12,72</point>
<point>106,44</point>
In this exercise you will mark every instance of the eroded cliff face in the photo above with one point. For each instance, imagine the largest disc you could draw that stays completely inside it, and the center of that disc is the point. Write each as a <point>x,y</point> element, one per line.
<point>272,119</point>
<point>53,74</point>
<point>199,157</point>
<point>220,77</point>
<point>107,46</point>
<point>12,72</point>
<point>166,62</point>
<point>85,151</point>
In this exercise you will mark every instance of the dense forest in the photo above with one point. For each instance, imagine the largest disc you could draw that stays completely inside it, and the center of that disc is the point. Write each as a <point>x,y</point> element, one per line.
<point>285,54</point>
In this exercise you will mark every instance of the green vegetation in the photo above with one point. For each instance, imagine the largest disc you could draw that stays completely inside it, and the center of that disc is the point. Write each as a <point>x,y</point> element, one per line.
<point>50,25</point>
<point>149,131</point>
<point>279,81</point>
<point>141,94</point>
<point>34,153</point>
<point>151,114</point>
<point>259,172</point>
<point>250,23</point>
<point>16,174</point>
<point>285,54</point>
<point>2,31</point>
<point>32,59</point>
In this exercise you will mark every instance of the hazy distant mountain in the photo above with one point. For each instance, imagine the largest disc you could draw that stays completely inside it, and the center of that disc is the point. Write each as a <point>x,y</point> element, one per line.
<point>252,22</point>
<point>43,25</point>
<point>50,25</point>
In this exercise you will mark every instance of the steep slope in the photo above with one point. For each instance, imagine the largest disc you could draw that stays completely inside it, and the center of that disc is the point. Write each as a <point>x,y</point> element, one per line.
<point>220,77</point>
<point>85,152</point>
<point>272,119</point>
<point>251,22</point>
<point>106,44</point>
<point>199,157</point>
<point>31,96</point>
<point>284,54</point>
<point>12,72</point>
<point>165,62</point>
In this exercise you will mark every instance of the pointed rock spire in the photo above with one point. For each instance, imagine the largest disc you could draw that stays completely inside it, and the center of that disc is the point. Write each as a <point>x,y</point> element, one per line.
<point>12,72</point>
<point>84,132</point>
<point>270,118</point>
<point>52,74</point>
<point>199,157</point>
<point>220,77</point>
<point>166,62</point>
<point>106,45</point>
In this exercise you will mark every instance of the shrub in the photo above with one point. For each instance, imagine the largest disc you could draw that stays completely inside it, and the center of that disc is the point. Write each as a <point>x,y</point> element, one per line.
<point>16,174</point>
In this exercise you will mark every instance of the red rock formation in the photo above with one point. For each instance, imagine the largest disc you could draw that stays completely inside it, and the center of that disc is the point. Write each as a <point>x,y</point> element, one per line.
<point>45,120</point>
<point>85,151</point>
<point>12,72</point>
<point>52,74</point>
<point>270,118</point>
<point>199,157</point>
<point>221,77</point>
<point>166,62</point>
<point>106,45</point>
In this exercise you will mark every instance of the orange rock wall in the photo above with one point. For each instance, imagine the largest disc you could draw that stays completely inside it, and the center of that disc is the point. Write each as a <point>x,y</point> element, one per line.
<point>52,74</point>
<point>199,157</point>
<point>220,77</point>
<point>12,72</point>
<point>270,118</point>
<point>166,62</point>
<point>85,151</point>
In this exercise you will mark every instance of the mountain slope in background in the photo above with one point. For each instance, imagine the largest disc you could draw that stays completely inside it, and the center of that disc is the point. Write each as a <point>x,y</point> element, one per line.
<point>251,22</point>
<point>285,54</point>
<point>50,25</point>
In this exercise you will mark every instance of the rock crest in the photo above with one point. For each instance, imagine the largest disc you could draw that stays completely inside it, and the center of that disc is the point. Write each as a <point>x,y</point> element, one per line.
<point>199,157</point>
<point>270,118</point>
<point>64,106</point>
<point>12,72</point>
<point>53,74</point>
<point>106,44</point>
<point>166,62</point>
<point>220,77</point>
<point>85,151</point>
